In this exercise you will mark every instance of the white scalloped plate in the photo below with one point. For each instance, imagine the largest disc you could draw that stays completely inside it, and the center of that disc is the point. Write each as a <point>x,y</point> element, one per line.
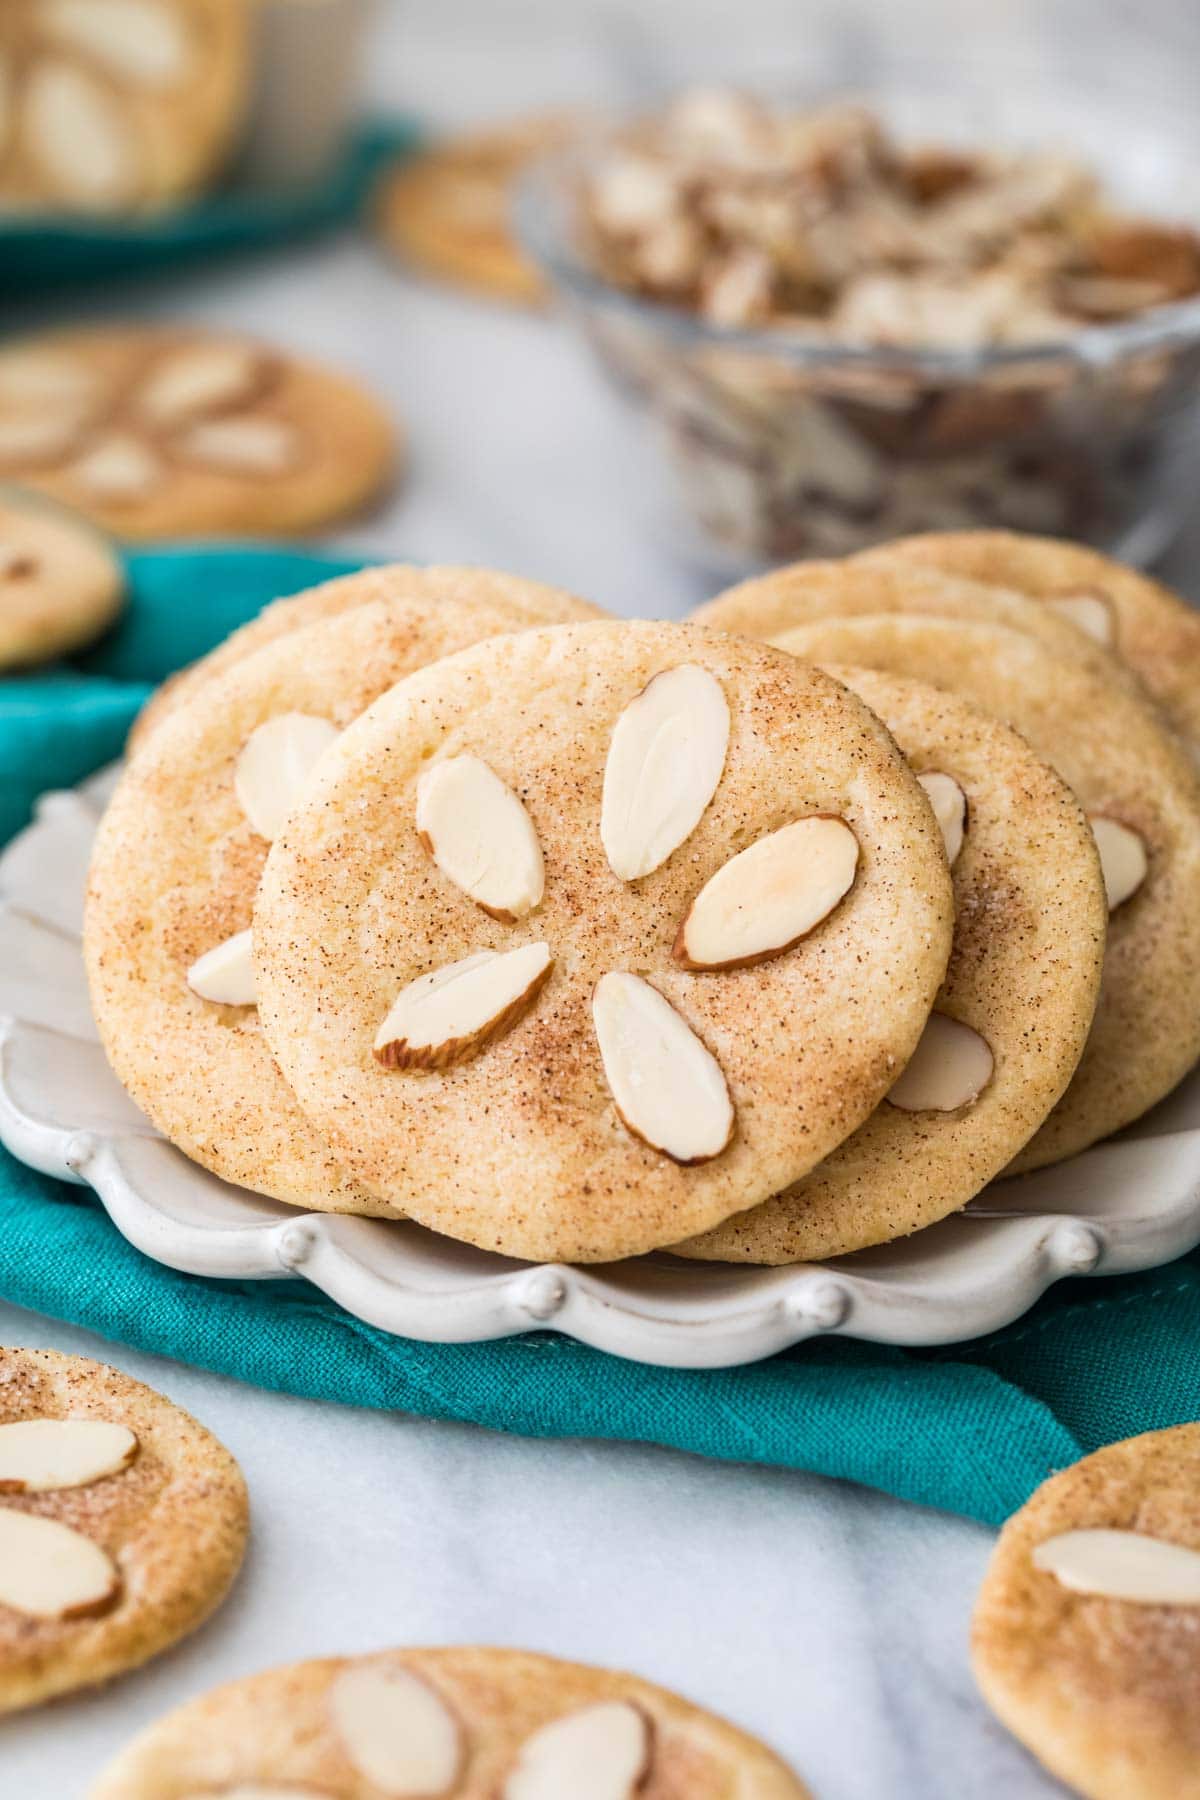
<point>1131,1204</point>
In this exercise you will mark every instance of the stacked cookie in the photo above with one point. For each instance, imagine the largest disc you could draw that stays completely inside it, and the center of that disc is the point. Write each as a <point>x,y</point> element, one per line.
<point>427,896</point>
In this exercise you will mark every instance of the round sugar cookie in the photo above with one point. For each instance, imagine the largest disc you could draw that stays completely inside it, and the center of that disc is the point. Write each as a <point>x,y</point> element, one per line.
<point>60,584</point>
<point>1141,792</point>
<point>117,106</point>
<point>806,592</point>
<point>1009,1025</point>
<point>1136,618</point>
<point>122,1524</point>
<point>533,601</point>
<point>174,873</point>
<point>169,431</point>
<point>498,969</point>
<point>1084,1640</point>
<point>447,211</point>
<point>448,1724</point>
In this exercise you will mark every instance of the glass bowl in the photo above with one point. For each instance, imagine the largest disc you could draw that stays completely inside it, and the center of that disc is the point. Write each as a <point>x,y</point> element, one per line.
<point>759,447</point>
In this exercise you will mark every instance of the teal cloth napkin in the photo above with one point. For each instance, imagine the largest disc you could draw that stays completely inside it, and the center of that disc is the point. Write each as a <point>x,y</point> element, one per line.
<point>42,252</point>
<point>972,1428</point>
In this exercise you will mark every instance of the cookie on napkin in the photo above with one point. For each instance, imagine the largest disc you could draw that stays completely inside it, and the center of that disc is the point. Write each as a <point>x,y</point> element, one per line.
<point>61,584</point>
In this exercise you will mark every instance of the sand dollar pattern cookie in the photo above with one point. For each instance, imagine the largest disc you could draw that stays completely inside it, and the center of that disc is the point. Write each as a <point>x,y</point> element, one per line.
<point>445,1724</point>
<point>157,432</point>
<point>684,954</point>
<point>806,592</point>
<point>1139,788</point>
<point>447,210</point>
<point>1136,618</point>
<point>61,585</point>
<point>117,106</point>
<point>174,873</point>
<point>1085,1633</point>
<point>122,1524</point>
<point>532,601</point>
<point>1013,1015</point>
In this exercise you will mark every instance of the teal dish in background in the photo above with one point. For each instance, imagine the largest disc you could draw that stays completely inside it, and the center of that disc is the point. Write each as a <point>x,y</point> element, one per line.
<point>38,253</point>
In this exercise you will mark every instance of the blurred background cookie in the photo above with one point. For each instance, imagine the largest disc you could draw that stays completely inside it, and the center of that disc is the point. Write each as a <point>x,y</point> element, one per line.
<point>118,106</point>
<point>447,211</point>
<point>122,1524</point>
<point>450,1724</point>
<point>1084,1636</point>
<point>158,432</point>
<point>61,585</point>
<point>1013,1015</point>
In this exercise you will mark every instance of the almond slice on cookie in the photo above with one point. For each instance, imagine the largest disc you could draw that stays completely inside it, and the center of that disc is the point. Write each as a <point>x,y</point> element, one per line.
<point>665,759</point>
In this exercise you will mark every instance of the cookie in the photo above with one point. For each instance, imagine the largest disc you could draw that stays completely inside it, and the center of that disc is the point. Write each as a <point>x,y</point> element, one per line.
<point>117,106</point>
<point>447,210</point>
<point>598,932</point>
<point>122,1524</point>
<point>532,601</point>
<point>174,872</point>
<point>1009,1025</point>
<point>447,1724</point>
<point>806,592</point>
<point>60,583</point>
<point>1137,619</point>
<point>159,432</point>
<point>1085,1633</point>
<point>1140,790</point>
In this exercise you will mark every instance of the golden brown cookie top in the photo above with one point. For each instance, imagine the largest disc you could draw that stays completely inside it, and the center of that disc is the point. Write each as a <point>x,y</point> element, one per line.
<point>1139,788</point>
<point>714,918</point>
<point>166,431</point>
<point>1012,1017</point>
<point>446,1724</point>
<point>122,1524</point>
<point>1104,1689</point>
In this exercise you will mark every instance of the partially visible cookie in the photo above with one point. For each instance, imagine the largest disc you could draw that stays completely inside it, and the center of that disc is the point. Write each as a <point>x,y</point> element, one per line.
<point>117,106</point>
<point>1013,1015</point>
<point>806,592</point>
<point>122,1524</point>
<point>597,929</point>
<point>531,601</point>
<point>1086,1636</point>
<point>1140,789</point>
<point>61,585</point>
<point>169,431</point>
<point>447,210</point>
<point>1136,618</point>
<point>175,869</point>
<point>446,1724</point>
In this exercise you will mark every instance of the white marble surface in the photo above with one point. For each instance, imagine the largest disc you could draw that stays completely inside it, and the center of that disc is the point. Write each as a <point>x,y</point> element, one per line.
<point>831,1620</point>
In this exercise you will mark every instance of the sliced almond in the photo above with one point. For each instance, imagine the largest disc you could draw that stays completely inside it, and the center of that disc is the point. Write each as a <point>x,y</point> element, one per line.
<point>78,136</point>
<point>255,1790</point>
<point>241,446</point>
<point>46,379</point>
<point>275,767</point>
<point>50,1571</point>
<point>200,379</point>
<point>452,1013</point>
<point>142,42</point>
<point>40,1455</point>
<point>225,974</point>
<point>1123,859</point>
<point>1122,1565</point>
<point>667,1086</point>
<point>400,1735</point>
<point>119,467</point>
<point>480,835</point>
<point>664,762</point>
<point>769,896</point>
<point>1090,612</point>
<point>601,1752</point>
<point>949,1068</point>
<point>33,439</point>
<point>949,805</point>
